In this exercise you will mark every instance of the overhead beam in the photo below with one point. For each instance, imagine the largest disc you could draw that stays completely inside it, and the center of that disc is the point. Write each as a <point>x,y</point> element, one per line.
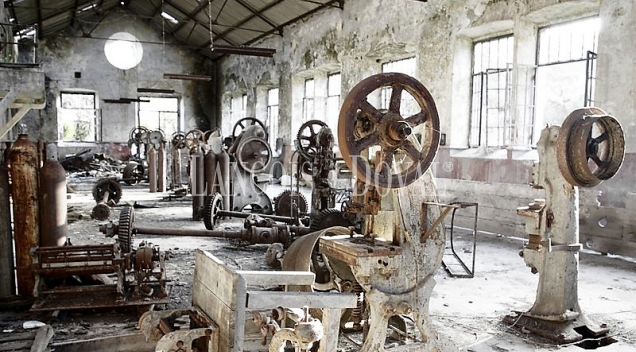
<point>224,34</point>
<point>191,17</point>
<point>298,18</point>
<point>75,7</point>
<point>57,13</point>
<point>258,14</point>
<point>183,12</point>
<point>40,23</point>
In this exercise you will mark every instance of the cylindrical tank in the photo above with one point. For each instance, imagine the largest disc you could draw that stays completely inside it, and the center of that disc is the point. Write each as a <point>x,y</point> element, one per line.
<point>161,168</point>
<point>152,169</point>
<point>210,172</point>
<point>176,168</point>
<point>7,275</point>
<point>53,226</point>
<point>197,182</point>
<point>223,159</point>
<point>24,188</point>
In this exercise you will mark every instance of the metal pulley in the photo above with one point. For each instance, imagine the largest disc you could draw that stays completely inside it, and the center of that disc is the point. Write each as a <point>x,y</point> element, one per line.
<point>253,154</point>
<point>380,145</point>
<point>590,147</point>
<point>306,141</point>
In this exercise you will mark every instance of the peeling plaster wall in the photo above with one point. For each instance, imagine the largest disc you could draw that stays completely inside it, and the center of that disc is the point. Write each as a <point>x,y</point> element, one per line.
<point>71,52</point>
<point>359,38</point>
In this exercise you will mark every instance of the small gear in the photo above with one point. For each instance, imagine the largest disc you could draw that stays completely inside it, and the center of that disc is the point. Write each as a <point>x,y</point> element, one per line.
<point>290,203</point>
<point>212,206</point>
<point>328,218</point>
<point>125,233</point>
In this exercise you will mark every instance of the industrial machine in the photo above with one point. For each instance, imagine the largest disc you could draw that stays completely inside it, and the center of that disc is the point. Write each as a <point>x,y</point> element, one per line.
<point>77,277</point>
<point>391,261</point>
<point>586,150</point>
<point>232,172</point>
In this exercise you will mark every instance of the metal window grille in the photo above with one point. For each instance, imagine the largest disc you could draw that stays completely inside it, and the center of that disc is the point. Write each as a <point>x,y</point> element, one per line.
<point>590,78</point>
<point>490,117</point>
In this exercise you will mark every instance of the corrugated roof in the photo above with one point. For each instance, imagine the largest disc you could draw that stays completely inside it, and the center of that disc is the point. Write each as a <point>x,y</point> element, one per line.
<point>236,23</point>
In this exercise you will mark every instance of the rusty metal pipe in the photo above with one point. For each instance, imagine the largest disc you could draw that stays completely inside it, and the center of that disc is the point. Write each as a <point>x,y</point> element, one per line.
<point>101,211</point>
<point>53,222</point>
<point>189,232</point>
<point>7,275</point>
<point>242,215</point>
<point>152,169</point>
<point>161,168</point>
<point>24,188</point>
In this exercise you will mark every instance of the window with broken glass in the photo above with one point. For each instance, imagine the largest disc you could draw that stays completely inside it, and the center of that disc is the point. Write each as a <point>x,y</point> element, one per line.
<point>78,117</point>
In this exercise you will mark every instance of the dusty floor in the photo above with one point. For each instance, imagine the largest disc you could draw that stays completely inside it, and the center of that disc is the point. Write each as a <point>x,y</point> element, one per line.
<point>468,311</point>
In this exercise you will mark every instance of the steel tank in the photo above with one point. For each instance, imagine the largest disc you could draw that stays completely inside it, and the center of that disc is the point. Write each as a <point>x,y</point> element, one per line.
<point>152,169</point>
<point>223,159</point>
<point>7,275</point>
<point>161,168</point>
<point>210,172</point>
<point>24,189</point>
<point>176,168</point>
<point>53,224</point>
<point>197,182</point>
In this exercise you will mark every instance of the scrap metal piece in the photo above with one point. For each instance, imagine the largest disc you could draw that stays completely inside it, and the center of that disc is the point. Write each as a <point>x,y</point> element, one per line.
<point>109,185</point>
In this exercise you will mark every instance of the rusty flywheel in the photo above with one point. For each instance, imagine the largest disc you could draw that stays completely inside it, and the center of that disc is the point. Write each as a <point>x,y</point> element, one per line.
<point>388,147</point>
<point>590,147</point>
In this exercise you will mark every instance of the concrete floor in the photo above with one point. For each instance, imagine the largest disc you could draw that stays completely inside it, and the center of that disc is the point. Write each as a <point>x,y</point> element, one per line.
<point>468,310</point>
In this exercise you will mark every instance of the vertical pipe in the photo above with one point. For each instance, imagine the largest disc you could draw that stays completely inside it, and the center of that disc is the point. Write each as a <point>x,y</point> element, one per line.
<point>176,168</point>
<point>24,188</point>
<point>152,169</point>
<point>197,182</point>
<point>53,224</point>
<point>7,276</point>
<point>161,168</point>
<point>223,159</point>
<point>210,173</point>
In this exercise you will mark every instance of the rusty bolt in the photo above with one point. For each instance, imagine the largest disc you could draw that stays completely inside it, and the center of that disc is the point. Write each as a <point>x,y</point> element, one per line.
<point>534,270</point>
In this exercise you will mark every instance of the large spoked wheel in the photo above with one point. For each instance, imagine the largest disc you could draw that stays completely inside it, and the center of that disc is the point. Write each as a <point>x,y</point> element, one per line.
<point>590,147</point>
<point>125,232</point>
<point>210,210</point>
<point>306,142</point>
<point>194,138</point>
<point>253,154</point>
<point>107,185</point>
<point>381,146</point>
<point>243,123</point>
<point>138,135</point>
<point>178,140</point>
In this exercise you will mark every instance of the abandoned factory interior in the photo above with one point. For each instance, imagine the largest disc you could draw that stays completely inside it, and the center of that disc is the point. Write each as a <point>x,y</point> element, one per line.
<point>317,175</point>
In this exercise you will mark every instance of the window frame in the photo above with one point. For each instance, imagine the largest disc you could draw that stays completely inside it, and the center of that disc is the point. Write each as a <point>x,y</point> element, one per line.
<point>96,123</point>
